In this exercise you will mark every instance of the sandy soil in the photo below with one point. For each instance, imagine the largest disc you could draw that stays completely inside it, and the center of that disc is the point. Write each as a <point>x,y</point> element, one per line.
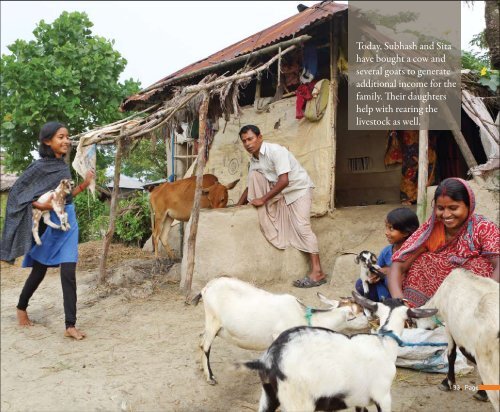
<point>141,351</point>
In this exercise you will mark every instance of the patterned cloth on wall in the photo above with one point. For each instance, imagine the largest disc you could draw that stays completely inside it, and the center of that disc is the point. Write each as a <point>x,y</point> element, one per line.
<point>402,147</point>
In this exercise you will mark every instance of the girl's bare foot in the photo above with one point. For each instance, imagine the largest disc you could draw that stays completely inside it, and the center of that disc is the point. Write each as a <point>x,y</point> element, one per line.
<point>74,333</point>
<point>22,318</point>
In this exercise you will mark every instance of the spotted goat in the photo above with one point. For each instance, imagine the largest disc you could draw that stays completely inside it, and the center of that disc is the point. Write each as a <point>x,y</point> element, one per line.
<point>57,199</point>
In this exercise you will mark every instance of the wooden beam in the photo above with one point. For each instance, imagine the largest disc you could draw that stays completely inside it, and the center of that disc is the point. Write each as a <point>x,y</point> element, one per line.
<point>112,213</point>
<point>423,171</point>
<point>223,64</point>
<point>334,91</point>
<point>195,212</point>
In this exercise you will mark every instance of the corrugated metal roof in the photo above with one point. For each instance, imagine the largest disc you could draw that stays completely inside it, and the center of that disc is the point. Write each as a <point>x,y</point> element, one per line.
<point>280,31</point>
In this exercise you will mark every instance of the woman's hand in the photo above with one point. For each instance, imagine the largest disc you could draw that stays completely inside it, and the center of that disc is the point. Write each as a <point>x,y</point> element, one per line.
<point>372,278</point>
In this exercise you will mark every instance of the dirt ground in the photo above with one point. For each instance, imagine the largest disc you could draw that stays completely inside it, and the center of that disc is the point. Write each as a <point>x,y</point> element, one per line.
<point>141,350</point>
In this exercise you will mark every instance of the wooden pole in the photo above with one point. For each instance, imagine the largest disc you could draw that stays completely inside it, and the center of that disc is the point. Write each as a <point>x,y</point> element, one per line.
<point>423,171</point>
<point>112,214</point>
<point>195,213</point>
<point>334,89</point>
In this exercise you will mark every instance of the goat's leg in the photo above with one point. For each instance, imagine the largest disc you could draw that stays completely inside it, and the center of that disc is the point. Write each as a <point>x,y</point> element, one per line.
<point>448,383</point>
<point>212,327</point>
<point>385,403</point>
<point>37,214</point>
<point>48,222</point>
<point>294,398</point>
<point>268,400</point>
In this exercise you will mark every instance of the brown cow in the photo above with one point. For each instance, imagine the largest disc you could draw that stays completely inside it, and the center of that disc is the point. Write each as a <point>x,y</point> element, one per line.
<point>174,200</point>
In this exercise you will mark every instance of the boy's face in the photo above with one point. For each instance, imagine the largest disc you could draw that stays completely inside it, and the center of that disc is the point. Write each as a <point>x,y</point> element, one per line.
<point>251,142</point>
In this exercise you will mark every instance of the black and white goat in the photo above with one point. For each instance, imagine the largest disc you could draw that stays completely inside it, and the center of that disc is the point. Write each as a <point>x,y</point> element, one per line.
<point>311,369</point>
<point>57,198</point>
<point>468,305</point>
<point>368,266</point>
<point>251,318</point>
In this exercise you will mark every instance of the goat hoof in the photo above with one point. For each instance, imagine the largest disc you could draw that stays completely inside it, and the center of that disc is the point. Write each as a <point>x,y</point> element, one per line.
<point>212,381</point>
<point>444,386</point>
<point>481,396</point>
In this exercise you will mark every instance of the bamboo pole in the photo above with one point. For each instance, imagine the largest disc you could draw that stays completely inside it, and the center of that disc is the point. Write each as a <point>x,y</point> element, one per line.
<point>334,87</point>
<point>423,171</point>
<point>227,63</point>
<point>112,213</point>
<point>195,212</point>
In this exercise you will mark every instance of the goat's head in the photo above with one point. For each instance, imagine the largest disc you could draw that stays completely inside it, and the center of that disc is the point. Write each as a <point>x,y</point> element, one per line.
<point>392,312</point>
<point>430,322</point>
<point>66,186</point>
<point>356,319</point>
<point>366,258</point>
<point>217,194</point>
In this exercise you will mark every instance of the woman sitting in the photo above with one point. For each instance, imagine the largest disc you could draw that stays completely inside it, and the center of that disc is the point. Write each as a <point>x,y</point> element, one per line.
<point>454,236</point>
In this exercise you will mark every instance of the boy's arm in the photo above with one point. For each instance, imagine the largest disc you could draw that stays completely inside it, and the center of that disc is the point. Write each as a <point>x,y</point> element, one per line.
<point>278,187</point>
<point>243,198</point>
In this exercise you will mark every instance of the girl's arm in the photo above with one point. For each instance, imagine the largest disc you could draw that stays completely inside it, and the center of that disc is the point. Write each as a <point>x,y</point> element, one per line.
<point>496,268</point>
<point>42,206</point>
<point>82,186</point>
<point>396,274</point>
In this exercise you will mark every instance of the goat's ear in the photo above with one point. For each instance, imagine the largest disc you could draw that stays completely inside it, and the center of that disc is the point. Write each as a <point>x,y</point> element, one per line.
<point>374,258</point>
<point>356,259</point>
<point>366,303</point>
<point>232,184</point>
<point>330,302</point>
<point>421,313</point>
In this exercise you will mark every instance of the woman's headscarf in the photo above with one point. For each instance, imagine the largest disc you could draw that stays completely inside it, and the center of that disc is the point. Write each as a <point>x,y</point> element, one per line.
<point>418,239</point>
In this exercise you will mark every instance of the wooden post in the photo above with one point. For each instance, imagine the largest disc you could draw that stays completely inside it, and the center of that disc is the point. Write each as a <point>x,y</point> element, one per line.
<point>195,213</point>
<point>423,171</point>
<point>112,213</point>
<point>334,90</point>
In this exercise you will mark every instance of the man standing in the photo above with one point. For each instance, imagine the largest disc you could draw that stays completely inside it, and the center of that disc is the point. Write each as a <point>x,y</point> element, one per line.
<point>281,190</point>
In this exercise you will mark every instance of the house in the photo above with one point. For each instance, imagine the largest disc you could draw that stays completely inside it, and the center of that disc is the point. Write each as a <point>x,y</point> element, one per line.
<point>128,186</point>
<point>347,167</point>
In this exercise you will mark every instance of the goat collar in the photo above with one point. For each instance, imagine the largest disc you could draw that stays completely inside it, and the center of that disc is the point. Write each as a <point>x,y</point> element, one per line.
<point>308,315</point>
<point>437,321</point>
<point>402,343</point>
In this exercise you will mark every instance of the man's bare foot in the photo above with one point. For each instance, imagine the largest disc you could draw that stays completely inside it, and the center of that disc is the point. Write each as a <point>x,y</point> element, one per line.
<point>22,318</point>
<point>74,333</point>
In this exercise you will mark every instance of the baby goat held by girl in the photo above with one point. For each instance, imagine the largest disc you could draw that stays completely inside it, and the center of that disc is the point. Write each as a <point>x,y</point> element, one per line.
<point>57,198</point>
<point>251,318</point>
<point>468,305</point>
<point>314,369</point>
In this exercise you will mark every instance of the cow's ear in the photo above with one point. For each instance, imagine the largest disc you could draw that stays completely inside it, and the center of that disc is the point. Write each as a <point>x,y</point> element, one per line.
<point>232,184</point>
<point>206,190</point>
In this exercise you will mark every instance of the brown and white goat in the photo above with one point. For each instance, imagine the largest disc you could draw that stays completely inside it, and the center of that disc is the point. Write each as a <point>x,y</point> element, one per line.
<point>57,198</point>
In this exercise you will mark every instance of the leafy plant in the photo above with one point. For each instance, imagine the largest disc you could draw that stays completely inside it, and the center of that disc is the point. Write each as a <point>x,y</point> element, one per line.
<point>92,216</point>
<point>133,223</point>
<point>65,74</point>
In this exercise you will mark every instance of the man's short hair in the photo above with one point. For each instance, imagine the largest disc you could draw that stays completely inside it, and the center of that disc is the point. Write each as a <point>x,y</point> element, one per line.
<point>250,127</point>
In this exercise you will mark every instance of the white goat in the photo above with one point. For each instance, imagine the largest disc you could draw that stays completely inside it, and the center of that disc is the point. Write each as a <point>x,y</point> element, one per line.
<point>251,318</point>
<point>468,305</point>
<point>310,368</point>
<point>57,198</point>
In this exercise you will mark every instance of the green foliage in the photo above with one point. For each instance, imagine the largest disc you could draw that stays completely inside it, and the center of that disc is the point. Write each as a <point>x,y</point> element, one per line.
<point>489,78</point>
<point>65,74</point>
<point>92,216</point>
<point>3,203</point>
<point>390,20</point>
<point>147,161</point>
<point>133,223</point>
<point>474,60</point>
